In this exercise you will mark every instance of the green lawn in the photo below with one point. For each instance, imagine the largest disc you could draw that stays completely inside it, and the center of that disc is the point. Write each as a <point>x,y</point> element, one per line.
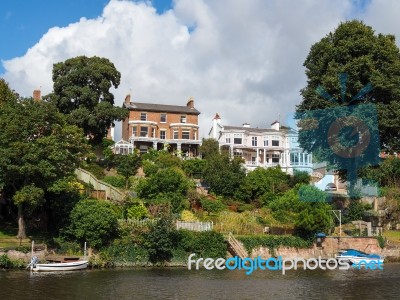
<point>8,238</point>
<point>392,235</point>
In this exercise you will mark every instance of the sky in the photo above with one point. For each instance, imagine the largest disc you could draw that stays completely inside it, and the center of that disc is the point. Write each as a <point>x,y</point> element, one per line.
<point>242,59</point>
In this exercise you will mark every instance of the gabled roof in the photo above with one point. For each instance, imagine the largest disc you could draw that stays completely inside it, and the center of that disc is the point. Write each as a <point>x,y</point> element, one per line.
<point>161,108</point>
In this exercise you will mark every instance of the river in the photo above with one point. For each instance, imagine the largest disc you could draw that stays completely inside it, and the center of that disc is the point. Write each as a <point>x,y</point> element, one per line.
<point>180,283</point>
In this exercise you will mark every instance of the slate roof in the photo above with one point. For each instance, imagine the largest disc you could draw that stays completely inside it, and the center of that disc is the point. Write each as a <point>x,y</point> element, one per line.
<point>259,130</point>
<point>161,108</point>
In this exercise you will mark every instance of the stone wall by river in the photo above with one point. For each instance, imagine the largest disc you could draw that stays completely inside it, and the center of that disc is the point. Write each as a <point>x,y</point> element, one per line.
<point>330,247</point>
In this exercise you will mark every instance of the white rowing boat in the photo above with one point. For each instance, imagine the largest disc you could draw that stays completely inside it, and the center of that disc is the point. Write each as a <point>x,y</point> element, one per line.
<point>65,266</point>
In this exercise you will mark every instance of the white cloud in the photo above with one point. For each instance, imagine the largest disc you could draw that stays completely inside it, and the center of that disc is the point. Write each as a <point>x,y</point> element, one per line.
<point>240,59</point>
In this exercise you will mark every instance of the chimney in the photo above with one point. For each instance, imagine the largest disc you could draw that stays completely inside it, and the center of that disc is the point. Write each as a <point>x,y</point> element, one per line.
<point>128,99</point>
<point>37,95</point>
<point>275,125</point>
<point>190,103</point>
<point>216,121</point>
<point>246,125</point>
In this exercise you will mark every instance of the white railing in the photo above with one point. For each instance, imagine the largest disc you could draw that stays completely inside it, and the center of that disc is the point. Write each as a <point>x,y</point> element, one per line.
<point>194,225</point>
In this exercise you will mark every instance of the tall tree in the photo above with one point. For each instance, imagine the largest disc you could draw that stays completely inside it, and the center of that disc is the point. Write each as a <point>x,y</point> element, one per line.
<point>223,175</point>
<point>127,166</point>
<point>82,90</point>
<point>340,113</point>
<point>6,94</point>
<point>37,148</point>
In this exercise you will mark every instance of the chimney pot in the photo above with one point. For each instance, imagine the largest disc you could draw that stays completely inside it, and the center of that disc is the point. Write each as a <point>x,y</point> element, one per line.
<point>37,95</point>
<point>128,99</point>
<point>190,103</point>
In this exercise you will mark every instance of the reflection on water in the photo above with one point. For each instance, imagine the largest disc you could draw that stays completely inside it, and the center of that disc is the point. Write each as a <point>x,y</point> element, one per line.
<point>185,284</point>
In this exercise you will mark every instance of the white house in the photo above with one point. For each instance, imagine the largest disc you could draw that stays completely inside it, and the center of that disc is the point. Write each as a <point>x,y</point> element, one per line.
<point>263,147</point>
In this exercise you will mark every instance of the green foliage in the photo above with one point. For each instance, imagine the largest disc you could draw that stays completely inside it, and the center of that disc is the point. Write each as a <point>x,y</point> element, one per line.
<point>127,165</point>
<point>299,177</point>
<point>29,195</point>
<point>223,175</point>
<point>117,181</point>
<point>313,218</point>
<point>204,244</point>
<point>381,241</point>
<point>194,167</point>
<point>187,215</point>
<point>137,211</point>
<point>263,185</point>
<point>122,253</point>
<point>286,207</point>
<point>37,148</point>
<point>273,242</point>
<point>68,247</point>
<point>167,186</point>
<point>95,169</point>
<point>387,174</point>
<point>160,241</point>
<point>309,193</point>
<point>5,261</point>
<point>366,57</point>
<point>209,147</point>
<point>212,206</point>
<point>6,94</point>
<point>149,167</point>
<point>355,211</point>
<point>94,221</point>
<point>82,91</point>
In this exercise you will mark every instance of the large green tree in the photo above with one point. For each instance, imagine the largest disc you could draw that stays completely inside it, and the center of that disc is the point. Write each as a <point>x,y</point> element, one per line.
<point>37,149</point>
<point>223,174</point>
<point>369,86</point>
<point>263,185</point>
<point>6,94</point>
<point>82,91</point>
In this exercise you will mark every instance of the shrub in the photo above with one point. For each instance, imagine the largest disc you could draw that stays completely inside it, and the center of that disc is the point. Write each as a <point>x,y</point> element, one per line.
<point>95,169</point>
<point>204,244</point>
<point>116,181</point>
<point>94,221</point>
<point>5,261</point>
<point>212,206</point>
<point>187,215</point>
<point>137,211</point>
<point>160,241</point>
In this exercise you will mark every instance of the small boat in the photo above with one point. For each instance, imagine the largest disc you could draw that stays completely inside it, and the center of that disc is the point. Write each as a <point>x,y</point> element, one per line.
<point>65,266</point>
<point>355,257</point>
<point>77,264</point>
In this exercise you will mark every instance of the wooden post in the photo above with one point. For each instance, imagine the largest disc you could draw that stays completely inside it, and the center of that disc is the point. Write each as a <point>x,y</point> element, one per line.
<point>33,248</point>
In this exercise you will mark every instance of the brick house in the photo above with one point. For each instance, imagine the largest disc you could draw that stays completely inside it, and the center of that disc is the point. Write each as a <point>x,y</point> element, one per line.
<point>159,125</point>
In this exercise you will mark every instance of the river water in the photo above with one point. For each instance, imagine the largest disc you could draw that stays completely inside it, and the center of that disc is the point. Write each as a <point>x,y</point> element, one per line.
<point>180,283</point>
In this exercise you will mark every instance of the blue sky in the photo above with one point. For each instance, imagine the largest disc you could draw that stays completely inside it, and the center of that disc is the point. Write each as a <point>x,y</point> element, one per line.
<point>24,22</point>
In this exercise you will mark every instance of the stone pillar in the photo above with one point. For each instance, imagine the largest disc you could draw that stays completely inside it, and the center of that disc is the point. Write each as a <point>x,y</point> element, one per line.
<point>179,149</point>
<point>155,145</point>
<point>264,156</point>
<point>257,157</point>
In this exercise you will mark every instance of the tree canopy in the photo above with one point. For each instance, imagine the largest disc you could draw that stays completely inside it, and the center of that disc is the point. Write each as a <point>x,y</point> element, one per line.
<point>82,91</point>
<point>351,104</point>
<point>37,149</point>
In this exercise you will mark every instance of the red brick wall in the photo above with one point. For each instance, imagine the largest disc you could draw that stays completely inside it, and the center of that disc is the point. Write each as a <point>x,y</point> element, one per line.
<point>155,117</point>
